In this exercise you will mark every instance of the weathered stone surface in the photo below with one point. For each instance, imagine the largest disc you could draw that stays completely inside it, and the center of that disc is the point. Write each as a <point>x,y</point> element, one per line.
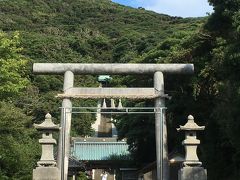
<point>100,93</point>
<point>192,173</point>
<point>161,130</point>
<point>46,173</point>
<point>64,136</point>
<point>47,127</point>
<point>47,169</point>
<point>191,142</point>
<point>192,169</point>
<point>115,68</point>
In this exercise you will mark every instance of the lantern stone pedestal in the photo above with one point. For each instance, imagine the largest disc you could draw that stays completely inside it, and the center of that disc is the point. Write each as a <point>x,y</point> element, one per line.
<point>192,173</point>
<point>46,173</point>
<point>191,169</point>
<point>46,169</point>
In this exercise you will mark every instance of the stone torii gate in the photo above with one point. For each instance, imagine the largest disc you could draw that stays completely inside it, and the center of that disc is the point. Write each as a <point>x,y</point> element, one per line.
<point>157,93</point>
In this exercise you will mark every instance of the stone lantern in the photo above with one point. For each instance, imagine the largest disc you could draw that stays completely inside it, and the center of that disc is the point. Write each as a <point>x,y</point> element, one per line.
<point>46,167</point>
<point>192,169</point>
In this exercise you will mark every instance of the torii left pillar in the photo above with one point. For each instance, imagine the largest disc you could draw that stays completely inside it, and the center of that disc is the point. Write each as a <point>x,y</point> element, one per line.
<point>161,129</point>
<point>66,116</point>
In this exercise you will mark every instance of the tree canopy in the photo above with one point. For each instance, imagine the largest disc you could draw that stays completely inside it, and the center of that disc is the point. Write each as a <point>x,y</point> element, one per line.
<point>13,66</point>
<point>18,147</point>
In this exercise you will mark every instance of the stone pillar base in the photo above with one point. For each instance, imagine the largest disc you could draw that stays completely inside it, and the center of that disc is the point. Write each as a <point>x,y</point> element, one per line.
<point>46,173</point>
<point>192,173</point>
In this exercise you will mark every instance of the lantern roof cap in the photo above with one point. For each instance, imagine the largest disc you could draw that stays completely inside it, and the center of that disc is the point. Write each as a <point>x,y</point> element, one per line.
<point>47,124</point>
<point>191,125</point>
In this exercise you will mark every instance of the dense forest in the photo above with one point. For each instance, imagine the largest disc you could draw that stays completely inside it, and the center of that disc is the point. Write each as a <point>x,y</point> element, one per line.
<point>94,31</point>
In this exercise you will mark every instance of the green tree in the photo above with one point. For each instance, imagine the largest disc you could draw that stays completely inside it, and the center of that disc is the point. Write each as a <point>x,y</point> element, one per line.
<point>12,66</point>
<point>18,148</point>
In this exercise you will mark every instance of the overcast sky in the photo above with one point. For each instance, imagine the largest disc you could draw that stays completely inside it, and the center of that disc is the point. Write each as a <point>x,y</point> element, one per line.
<point>183,8</point>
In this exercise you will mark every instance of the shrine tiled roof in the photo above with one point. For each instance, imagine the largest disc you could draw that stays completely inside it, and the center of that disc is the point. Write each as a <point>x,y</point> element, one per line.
<point>98,148</point>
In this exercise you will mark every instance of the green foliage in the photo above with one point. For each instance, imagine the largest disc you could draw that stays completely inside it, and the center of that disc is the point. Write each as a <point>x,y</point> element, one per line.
<point>115,157</point>
<point>80,31</point>
<point>82,124</point>
<point>18,148</point>
<point>12,66</point>
<point>82,176</point>
<point>139,132</point>
<point>224,17</point>
<point>123,160</point>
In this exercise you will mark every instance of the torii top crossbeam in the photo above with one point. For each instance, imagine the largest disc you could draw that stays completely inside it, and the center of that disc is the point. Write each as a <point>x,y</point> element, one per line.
<point>79,68</point>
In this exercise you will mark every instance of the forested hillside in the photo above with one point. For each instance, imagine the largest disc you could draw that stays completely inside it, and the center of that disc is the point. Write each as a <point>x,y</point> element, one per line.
<point>93,31</point>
